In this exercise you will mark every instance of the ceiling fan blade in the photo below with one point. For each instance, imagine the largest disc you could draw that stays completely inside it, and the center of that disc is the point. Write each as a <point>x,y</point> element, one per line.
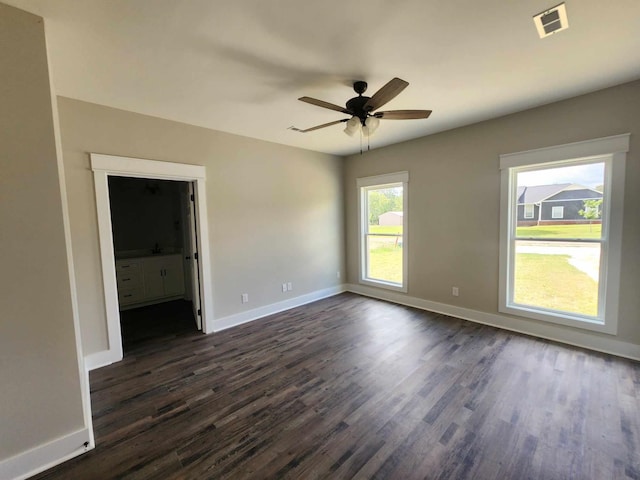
<point>403,114</point>
<point>385,94</point>
<point>317,127</point>
<point>323,104</point>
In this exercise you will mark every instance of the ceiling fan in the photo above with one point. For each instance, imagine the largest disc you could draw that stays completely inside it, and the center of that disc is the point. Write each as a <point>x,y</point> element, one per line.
<point>364,117</point>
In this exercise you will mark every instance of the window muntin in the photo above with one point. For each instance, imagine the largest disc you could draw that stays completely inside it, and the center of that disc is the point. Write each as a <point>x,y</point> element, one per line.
<point>383,223</point>
<point>602,236</point>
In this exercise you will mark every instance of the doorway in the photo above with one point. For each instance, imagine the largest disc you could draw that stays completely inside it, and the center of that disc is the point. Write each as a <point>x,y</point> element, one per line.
<point>155,251</point>
<point>197,271</point>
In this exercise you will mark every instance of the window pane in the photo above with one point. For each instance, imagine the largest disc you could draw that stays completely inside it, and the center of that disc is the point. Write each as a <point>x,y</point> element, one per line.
<point>384,234</point>
<point>386,202</point>
<point>560,202</point>
<point>384,258</point>
<point>558,276</point>
<point>528,210</point>
<point>557,212</point>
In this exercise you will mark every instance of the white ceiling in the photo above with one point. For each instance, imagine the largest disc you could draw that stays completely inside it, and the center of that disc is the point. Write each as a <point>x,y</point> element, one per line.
<point>240,65</point>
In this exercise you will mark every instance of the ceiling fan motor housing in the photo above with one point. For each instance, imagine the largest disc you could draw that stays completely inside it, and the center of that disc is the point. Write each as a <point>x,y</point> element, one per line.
<point>360,87</point>
<point>356,104</point>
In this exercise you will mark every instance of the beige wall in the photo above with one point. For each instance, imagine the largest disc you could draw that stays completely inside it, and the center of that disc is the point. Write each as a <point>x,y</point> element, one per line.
<point>39,378</point>
<point>454,197</point>
<point>275,212</point>
<point>276,215</point>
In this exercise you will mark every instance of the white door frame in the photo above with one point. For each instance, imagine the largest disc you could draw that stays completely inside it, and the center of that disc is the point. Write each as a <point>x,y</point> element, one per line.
<point>103,167</point>
<point>194,276</point>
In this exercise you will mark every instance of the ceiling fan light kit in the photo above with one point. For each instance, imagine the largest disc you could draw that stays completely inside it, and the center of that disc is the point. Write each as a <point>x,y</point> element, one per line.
<point>352,126</point>
<point>372,124</point>
<point>364,118</point>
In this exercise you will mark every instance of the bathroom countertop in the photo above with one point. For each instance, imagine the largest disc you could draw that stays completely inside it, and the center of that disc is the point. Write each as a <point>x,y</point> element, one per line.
<point>125,255</point>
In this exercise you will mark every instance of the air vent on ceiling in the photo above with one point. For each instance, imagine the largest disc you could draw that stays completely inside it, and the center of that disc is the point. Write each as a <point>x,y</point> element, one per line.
<point>551,21</point>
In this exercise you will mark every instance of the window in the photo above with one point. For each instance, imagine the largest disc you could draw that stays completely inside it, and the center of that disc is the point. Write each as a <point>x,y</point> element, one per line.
<point>382,213</point>
<point>565,270</point>
<point>557,212</point>
<point>528,210</point>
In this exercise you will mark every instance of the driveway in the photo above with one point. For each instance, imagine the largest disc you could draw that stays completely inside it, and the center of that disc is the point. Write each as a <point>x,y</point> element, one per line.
<point>584,257</point>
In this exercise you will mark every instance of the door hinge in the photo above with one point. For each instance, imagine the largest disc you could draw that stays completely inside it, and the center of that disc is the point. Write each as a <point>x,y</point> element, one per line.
<point>195,255</point>
<point>199,312</point>
<point>193,199</point>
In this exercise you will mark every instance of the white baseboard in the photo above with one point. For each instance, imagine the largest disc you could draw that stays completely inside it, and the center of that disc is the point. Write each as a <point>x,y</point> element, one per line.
<point>570,336</point>
<point>250,315</point>
<point>43,457</point>
<point>100,359</point>
<point>107,357</point>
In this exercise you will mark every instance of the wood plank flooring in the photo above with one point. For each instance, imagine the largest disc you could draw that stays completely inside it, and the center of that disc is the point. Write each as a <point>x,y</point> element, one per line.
<point>153,322</point>
<point>351,387</point>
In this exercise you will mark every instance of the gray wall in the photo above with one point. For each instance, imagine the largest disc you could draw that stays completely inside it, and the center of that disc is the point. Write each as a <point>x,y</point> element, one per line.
<point>454,199</point>
<point>39,375</point>
<point>275,212</point>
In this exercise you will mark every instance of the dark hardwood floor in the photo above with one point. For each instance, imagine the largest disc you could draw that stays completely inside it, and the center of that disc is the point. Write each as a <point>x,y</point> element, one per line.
<point>161,321</point>
<point>351,387</point>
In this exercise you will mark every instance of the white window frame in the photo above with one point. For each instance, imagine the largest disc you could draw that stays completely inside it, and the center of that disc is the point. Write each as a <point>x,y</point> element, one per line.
<point>365,184</point>
<point>557,212</point>
<point>610,150</point>
<point>529,214</point>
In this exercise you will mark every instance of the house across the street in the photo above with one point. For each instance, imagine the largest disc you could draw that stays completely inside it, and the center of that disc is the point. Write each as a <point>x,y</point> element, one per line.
<point>553,204</point>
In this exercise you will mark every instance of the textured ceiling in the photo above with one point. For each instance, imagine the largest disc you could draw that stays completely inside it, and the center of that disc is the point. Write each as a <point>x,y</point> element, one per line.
<point>240,65</point>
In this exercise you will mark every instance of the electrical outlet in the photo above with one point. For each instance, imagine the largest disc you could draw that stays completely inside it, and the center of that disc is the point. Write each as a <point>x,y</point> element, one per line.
<point>284,287</point>
<point>338,274</point>
<point>289,286</point>
<point>455,291</point>
<point>245,298</point>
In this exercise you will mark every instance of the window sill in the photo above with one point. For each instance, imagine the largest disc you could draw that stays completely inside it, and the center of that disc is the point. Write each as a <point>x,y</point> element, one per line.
<point>568,320</point>
<point>382,284</point>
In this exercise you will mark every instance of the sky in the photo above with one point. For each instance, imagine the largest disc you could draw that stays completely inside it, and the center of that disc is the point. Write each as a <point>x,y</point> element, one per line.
<point>590,175</point>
